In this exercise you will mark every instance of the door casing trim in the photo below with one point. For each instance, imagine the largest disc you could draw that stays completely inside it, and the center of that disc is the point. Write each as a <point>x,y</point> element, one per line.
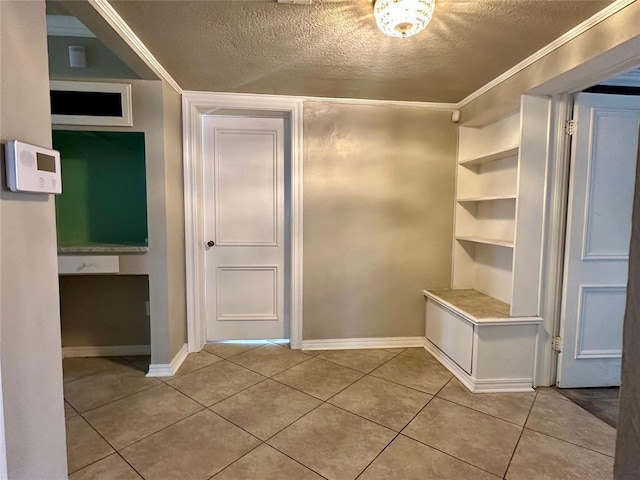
<point>195,105</point>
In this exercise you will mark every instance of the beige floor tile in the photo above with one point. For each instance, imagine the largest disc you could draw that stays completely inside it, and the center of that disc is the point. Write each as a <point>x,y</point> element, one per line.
<point>420,353</point>
<point>567,421</point>
<point>197,447</point>
<point>472,436</point>
<point>266,463</point>
<point>512,407</point>
<point>336,444</point>
<point>137,416</point>
<point>111,468</point>
<point>395,350</point>
<point>265,408</point>
<point>319,378</point>
<point>227,350</point>
<point>383,402</point>
<point>540,457</point>
<point>69,411</point>
<point>84,445</point>
<point>551,391</point>
<point>139,362</point>
<point>196,361</point>
<point>406,459</point>
<point>313,353</point>
<point>90,392</point>
<point>270,359</point>
<point>362,360</point>
<point>78,367</point>
<point>411,372</point>
<point>215,382</point>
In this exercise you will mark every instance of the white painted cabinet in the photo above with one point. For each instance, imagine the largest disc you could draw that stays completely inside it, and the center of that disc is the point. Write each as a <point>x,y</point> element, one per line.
<point>496,255</point>
<point>475,338</point>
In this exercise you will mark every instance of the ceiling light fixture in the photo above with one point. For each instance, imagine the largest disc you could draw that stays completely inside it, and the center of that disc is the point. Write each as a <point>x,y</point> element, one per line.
<point>403,18</point>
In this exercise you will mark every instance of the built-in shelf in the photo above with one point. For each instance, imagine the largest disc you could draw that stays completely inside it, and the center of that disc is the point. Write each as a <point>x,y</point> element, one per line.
<point>487,198</point>
<point>102,248</point>
<point>491,157</point>
<point>486,241</point>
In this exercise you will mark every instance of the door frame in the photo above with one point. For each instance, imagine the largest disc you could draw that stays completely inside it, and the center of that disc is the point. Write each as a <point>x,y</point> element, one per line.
<point>195,105</point>
<point>554,237</point>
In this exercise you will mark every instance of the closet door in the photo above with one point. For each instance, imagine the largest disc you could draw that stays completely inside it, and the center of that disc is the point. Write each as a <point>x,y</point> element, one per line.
<point>601,186</point>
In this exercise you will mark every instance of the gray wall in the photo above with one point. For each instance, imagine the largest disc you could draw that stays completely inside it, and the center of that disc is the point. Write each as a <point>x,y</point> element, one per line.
<point>174,200</point>
<point>30,355</point>
<point>378,217</point>
<point>627,464</point>
<point>101,62</point>
<point>157,111</point>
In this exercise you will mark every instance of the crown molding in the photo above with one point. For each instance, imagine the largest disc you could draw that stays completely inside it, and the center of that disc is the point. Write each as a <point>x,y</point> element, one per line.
<point>578,30</point>
<point>67,26</point>
<point>113,18</point>
<point>393,103</point>
<point>349,101</point>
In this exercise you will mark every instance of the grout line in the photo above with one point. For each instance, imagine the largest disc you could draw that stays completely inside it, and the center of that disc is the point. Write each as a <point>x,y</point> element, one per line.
<point>437,449</point>
<point>513,454</point>
<point>297,461</point>
<point>104,439</point>
<point>235,354</point>
<point>450,455</point>
<point>406,386</point>
<point>485,413</point>
<point>565,440</point>
<point>115,399</point>
<point>400,432</point>
<point>236,460</point>
<point>158,431</point>
<point>354,369</point>
<point>127,462</point>
<point>179,375</point>
<point>570,443</point>
<point>236,393</point>
<point>269,376</point>
<point>115,367</point>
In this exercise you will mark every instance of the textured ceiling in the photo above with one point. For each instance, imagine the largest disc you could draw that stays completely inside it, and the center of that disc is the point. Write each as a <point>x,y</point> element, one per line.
<point>334,49</point>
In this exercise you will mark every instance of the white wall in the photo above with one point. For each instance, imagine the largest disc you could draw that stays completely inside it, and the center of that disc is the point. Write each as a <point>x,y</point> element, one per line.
<point>30,345</point>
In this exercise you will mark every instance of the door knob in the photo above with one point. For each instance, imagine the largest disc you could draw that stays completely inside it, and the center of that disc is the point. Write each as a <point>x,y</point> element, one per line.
<point>211,243</point>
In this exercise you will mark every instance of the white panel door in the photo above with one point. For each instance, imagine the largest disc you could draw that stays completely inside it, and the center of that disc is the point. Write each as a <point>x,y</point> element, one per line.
<point>603,162</point>
<point>244,228</point>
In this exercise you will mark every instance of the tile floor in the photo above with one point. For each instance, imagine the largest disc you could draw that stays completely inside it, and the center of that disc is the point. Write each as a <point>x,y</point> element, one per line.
<point>604,403</point>
<point>245,412</point>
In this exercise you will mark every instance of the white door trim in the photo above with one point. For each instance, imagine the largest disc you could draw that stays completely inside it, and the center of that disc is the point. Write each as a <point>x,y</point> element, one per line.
<point>557,191</point>
<point>194,106</point>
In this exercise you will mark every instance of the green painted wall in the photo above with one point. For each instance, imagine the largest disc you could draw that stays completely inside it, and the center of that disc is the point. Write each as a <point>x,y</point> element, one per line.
<point>104,195</point>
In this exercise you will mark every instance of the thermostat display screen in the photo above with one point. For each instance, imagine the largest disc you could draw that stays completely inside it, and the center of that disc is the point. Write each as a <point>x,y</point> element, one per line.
<point>46,163</point>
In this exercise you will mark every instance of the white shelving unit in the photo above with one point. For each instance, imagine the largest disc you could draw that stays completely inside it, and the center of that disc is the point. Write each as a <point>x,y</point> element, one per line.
<point>484,329</point>
<point>486,199</point>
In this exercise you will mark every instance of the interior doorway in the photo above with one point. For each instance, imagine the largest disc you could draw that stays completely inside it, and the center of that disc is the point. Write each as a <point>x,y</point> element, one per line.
<point>246,191</point>
<point>604,148</point>
<point>197,107</point>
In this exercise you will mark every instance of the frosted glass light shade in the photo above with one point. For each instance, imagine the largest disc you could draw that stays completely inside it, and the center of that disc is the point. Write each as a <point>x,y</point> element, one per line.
<point>403,18</point>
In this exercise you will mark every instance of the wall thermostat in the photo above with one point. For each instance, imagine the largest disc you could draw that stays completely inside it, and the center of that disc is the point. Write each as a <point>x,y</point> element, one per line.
<point>32,169</point>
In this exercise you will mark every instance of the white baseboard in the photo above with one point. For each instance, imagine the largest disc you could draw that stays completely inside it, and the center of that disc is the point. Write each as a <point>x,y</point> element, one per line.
<point>475,385</point>
<point>106,351</point>
<point>169,369</point>
<point>354,343</point>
